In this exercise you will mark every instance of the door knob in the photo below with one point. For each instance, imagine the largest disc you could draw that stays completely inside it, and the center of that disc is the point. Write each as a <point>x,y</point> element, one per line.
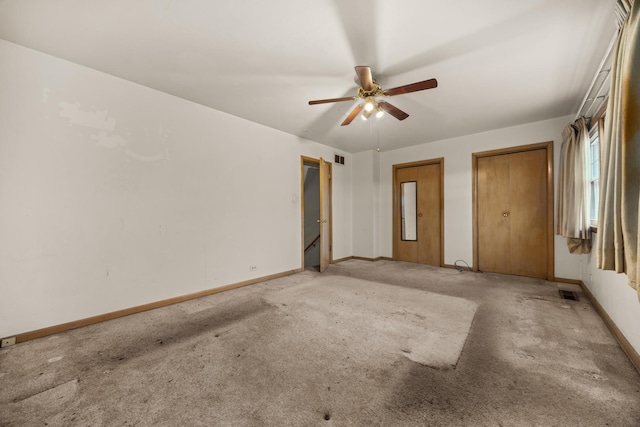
<point>505,214</point>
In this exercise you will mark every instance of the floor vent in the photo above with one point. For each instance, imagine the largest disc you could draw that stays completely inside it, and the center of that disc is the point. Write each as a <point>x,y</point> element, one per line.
<point>568,295</point>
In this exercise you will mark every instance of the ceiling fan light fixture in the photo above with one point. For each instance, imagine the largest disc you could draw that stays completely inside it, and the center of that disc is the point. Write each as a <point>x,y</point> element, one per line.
<point>369,90</point>
<point>369,104</point>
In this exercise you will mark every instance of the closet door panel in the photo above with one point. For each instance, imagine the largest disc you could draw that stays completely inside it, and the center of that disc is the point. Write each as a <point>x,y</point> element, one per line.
<point>493,203</point>
<point>429,217</point>
<point>528,213</point>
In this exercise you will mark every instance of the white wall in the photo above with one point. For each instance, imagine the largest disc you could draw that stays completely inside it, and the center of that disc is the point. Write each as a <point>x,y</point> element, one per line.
<point>366,200</point>
<point>616,297</point>
<point>364,189</point>
<point>114,195</point>
<point>376,203</point>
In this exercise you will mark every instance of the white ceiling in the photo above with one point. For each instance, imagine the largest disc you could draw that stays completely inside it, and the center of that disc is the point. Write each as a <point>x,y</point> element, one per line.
<point>498,62</point>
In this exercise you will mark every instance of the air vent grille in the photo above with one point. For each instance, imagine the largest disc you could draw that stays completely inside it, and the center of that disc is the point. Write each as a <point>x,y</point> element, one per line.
<point>570,295</point>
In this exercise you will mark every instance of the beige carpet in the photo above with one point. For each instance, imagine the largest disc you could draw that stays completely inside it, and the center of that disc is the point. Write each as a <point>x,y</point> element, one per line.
<point>357,316</point>
<point>363,344</point>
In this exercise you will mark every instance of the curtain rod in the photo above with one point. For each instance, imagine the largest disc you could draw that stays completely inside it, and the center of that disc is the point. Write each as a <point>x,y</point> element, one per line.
<point>598,96</point>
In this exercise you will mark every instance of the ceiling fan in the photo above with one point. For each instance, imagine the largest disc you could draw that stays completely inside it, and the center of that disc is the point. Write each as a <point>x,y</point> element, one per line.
<point>369,90</point>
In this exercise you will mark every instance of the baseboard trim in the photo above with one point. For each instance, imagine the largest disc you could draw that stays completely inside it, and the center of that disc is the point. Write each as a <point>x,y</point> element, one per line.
<point>380,258</point>
<point>361,258</point>
<point>569,281</point>
<point>631,353</point>
<point>52,330</point>
<point>464,267</point>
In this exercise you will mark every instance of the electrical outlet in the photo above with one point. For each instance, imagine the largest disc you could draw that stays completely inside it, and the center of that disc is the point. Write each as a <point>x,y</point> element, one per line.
<point>6,342</point>
<point>252,268</point>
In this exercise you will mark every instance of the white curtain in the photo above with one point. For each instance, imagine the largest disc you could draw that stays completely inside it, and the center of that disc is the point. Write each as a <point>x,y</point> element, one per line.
<point>572,215</point>
<point>617,244</point>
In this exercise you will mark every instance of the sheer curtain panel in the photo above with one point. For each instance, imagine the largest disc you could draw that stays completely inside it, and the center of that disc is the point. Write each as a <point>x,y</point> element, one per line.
<point>572,212</point>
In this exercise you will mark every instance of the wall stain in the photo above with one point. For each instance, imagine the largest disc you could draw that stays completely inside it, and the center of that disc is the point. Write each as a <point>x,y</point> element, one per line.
<point>102,127</point>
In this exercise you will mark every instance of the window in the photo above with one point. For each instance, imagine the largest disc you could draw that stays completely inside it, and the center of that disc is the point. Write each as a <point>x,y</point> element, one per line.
<point>594,174</point>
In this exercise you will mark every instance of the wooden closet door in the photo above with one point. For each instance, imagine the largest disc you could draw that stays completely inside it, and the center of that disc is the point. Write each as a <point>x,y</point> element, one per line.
<point>528,213</point>
<point>427,248</point>
<point>325,214</point>
<point>512,213</point>
<point>429,217</point>
<point>494,242</point>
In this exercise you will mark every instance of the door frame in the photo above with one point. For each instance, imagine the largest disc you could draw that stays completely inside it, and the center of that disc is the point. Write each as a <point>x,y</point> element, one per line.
<point>304,159</point>
<point>396,204</point>
<point>548,146</point>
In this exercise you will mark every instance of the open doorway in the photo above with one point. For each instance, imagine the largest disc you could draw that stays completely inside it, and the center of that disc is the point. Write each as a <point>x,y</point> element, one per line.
<point>311,194</point>
<point>316,214</point>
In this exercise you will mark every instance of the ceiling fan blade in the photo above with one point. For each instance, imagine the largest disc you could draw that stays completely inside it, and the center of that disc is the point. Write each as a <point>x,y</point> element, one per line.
<point>365,77</point>
<point>352,115</point>
<point>393,110</point>
<point>413,87</point>
<point>326,101</point>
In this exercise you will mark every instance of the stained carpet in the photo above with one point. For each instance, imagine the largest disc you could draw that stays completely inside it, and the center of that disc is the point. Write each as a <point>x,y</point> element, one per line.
<point>363,344</point>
